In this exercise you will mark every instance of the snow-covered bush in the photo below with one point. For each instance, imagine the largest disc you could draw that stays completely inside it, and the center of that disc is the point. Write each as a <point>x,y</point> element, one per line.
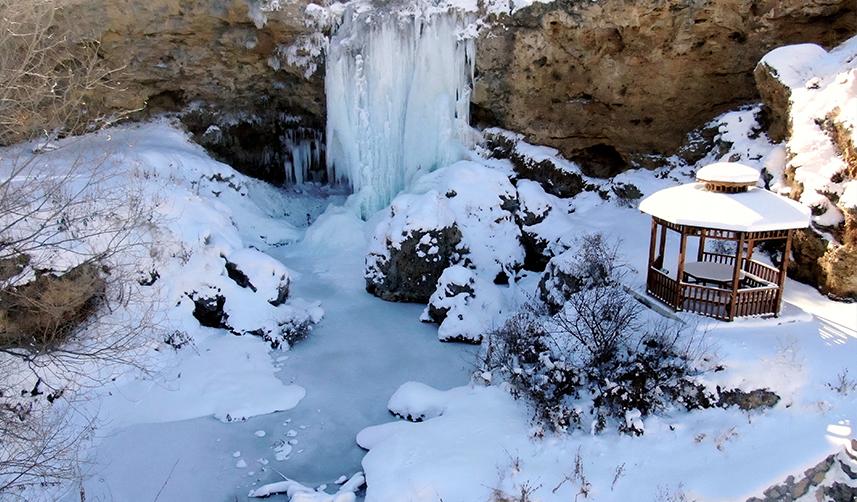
<point>592,359</point>
<point>593,265</point>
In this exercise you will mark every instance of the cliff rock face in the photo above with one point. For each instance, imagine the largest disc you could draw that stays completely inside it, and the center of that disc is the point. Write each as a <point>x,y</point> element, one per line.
<point>225,55</point>
<point>215,51</point>
<point>625,79</point>
<point>609,82</point>
<point>812,101</point>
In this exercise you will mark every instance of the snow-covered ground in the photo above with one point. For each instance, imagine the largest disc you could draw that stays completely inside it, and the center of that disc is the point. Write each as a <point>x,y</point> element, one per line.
<point>482,438</point>
<point>227,415</point>
<point>166,436</point>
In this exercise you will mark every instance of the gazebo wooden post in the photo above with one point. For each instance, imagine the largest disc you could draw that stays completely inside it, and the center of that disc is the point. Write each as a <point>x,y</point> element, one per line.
<point>700,253</point>
<point>682,251</point>
<point>784,267</point>
<point>662,244</point>
<point>652,239</point>
<point>736,275</point>
<point>750,245</point>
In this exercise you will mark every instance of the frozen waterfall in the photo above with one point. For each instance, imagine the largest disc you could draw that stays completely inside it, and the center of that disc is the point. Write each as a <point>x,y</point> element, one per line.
<point>398,95</point>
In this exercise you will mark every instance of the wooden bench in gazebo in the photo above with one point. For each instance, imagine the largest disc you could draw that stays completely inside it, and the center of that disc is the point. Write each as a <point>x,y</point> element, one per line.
<point>723,205</point>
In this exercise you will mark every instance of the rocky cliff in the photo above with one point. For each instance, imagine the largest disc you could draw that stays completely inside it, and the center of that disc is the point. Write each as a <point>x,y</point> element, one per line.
<point>619,80</point>
<point>613,81</point>
<point>224,58</point>
<point>812,97</point>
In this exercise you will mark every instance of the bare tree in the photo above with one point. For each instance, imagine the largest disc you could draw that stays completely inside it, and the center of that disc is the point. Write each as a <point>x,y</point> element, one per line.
<point>71,236</point>
<point>50,73</point>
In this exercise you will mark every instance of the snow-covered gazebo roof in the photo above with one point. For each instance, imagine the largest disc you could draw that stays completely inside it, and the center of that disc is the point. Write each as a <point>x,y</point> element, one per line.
<point>750,209</point>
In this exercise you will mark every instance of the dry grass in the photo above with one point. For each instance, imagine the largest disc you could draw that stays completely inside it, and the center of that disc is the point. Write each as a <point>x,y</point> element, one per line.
<point>40,315</point>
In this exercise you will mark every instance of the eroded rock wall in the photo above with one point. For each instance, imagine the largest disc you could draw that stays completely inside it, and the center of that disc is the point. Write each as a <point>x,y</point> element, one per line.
<point>596,79</point>
<point>224,58</point>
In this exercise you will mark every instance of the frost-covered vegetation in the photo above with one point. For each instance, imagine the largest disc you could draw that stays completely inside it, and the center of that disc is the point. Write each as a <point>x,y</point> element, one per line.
<point>599,361</point>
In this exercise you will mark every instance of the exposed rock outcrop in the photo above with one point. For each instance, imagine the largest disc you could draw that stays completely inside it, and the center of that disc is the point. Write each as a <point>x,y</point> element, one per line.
<point>808,95</point>
<point>834,479</point>
<point>635,77</point>
<point>224,57</point>
<point>607,83</point>
<point>223,53</point>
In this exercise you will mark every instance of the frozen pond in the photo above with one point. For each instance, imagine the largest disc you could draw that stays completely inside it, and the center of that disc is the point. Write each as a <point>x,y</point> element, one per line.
<point>350,365</point>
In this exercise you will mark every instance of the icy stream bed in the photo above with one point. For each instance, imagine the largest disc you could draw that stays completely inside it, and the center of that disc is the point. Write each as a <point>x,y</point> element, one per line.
<point>349,366</point>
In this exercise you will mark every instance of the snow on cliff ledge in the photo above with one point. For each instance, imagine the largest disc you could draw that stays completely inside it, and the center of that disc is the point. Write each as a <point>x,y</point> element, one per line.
<point>823,121</point>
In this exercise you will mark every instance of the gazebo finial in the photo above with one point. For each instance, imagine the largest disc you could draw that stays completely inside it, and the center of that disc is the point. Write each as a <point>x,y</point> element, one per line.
<point>728,177</point>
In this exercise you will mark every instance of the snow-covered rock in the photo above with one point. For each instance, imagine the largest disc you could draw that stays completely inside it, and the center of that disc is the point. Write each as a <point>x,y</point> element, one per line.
<point>415,401</point>
<point>812,95</point>
<point>545,224</point>
<point>465,305</point>
<point>461,214</point>
<point>261,273</point>
<point>539,163</point>
<point>411,248</point>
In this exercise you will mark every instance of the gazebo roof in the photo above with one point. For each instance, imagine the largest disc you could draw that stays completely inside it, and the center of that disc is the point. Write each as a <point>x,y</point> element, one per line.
<point>756,210</point>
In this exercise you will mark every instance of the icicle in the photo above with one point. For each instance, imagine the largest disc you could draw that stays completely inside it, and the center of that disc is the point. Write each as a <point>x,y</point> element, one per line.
<point>304,147</point>
<point>398,97</point>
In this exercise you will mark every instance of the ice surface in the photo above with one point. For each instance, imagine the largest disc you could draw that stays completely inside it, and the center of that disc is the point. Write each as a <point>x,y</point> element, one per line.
<point>398,94</point>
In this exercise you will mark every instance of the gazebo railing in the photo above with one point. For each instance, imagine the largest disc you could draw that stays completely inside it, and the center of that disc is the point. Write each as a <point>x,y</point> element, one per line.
<point>706,300</point>
<point>762,271</point>
<point>756,268</point>
<point>755,298</point>
<point>662,287</point>
<point>718,258</point>
<point>756,301</point>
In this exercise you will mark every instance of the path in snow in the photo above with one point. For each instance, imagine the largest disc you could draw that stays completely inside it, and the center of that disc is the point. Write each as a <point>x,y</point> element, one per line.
<point>350,366</point>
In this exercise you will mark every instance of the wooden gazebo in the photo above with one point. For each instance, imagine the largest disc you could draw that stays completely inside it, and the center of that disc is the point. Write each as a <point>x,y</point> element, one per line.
<point>723,205</point>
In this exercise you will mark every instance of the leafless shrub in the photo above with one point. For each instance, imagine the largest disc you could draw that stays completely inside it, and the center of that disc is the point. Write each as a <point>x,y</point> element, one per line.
<point>524,493</point>
<point>50,73</point>
<point>40,447</point>
<point>527,490</point>
<point>577,477</point>
<point>677,494</point>
<point>70,305</point>
<point>617,475</point>
<point>42,313</point>
<point>70,239</point>
<point>587,355</point>
<point>843,384</point>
